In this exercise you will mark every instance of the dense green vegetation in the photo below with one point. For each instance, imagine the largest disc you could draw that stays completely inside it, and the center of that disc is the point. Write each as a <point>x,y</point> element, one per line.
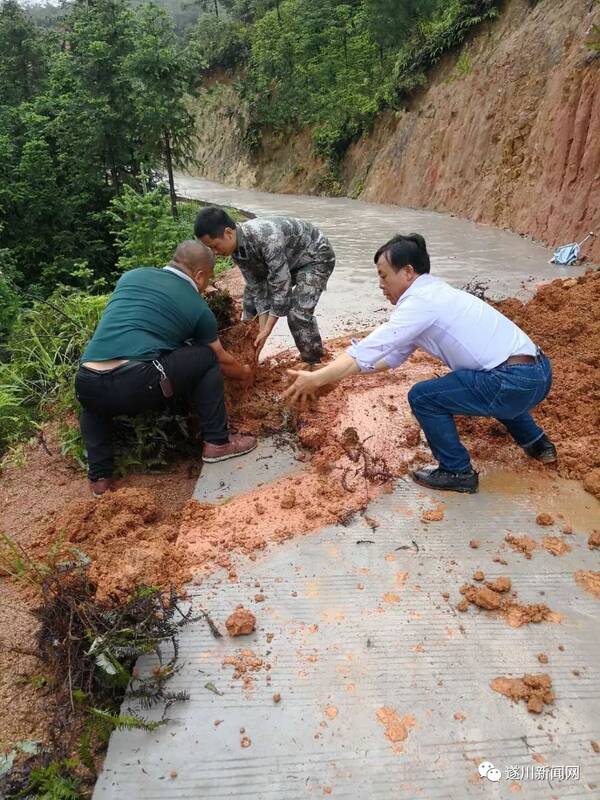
<point>83,113</point>
<point>331,65</point>
<point>90,113</point>
<point>48,336</point>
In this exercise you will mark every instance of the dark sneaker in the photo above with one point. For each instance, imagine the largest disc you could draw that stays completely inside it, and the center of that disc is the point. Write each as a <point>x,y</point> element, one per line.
<point>439,478</point>
<point>543,450</point>
<point>237,445</point>
<point>101,486</point>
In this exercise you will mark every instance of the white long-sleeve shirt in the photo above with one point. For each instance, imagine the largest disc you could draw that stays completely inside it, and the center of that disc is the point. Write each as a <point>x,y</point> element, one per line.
<point>454,326</point>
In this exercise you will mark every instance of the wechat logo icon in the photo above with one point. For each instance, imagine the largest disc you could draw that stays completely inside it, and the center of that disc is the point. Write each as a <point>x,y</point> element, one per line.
<point>487,770</point>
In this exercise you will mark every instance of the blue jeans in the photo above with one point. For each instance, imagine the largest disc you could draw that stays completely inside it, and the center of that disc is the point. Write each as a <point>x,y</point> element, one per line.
<point>506,393</point>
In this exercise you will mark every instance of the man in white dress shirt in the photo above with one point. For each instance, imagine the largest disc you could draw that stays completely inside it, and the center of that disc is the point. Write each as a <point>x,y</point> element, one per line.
<point>496,370</point>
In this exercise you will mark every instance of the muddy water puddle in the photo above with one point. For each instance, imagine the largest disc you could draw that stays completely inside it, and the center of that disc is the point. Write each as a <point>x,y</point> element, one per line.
<point>566,501</point>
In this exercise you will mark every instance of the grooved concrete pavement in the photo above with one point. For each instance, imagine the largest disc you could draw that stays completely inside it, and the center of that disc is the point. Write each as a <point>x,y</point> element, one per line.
<point>357,627</point>
<point>361,626</point>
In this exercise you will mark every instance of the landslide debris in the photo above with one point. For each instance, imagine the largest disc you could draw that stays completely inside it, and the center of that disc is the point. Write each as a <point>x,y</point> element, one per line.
<point>493,597</point>
<point>535,690</point>
<point>241,622</point>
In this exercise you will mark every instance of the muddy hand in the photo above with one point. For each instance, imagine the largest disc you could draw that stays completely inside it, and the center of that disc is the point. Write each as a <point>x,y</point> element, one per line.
<point>249,375</point>
<point>303,388</point>
<point>259,343</point>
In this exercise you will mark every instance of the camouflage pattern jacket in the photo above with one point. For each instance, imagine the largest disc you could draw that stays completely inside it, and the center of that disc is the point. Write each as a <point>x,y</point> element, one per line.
<point>271,252</point>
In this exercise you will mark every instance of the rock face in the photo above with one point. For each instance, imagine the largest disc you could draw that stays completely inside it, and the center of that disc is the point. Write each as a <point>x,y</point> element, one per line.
<point>509,139</point>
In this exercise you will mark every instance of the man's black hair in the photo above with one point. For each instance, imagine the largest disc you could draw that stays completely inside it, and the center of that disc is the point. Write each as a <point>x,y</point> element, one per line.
<point>401,250</point>
<point>212,221</point>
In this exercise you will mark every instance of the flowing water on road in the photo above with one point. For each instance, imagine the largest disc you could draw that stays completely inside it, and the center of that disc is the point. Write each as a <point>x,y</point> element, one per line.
<point>461,251</point>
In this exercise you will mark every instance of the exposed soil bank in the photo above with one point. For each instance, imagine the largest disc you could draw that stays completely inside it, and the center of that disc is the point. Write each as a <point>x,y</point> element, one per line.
<point>509,140</point>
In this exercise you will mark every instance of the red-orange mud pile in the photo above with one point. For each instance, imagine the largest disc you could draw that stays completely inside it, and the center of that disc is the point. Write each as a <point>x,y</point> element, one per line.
<point>128,538</point>
<point>536,690</point>
<point>493,597</point>
<point>362,433</point>
<point>564,319</point>
<point>590,581</point>
<point>32,496</point>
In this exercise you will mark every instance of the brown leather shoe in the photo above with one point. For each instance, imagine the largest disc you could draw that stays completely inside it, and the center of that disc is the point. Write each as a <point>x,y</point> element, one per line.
<point>237,445</point>
<point>101,486</point>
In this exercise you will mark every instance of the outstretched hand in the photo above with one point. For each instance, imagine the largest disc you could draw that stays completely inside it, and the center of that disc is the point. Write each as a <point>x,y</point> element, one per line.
<point>303,388</point>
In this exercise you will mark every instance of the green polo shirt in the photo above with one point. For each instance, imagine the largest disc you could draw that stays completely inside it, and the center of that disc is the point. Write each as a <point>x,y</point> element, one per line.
<point>151,312</point>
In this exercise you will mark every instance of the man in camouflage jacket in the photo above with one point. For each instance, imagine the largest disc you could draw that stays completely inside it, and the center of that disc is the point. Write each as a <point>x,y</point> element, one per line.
<point>286,264</point>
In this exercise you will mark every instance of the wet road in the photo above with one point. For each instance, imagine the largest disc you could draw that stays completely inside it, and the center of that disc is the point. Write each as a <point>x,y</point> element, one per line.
<point>460,250</point>
<point>353,631</point>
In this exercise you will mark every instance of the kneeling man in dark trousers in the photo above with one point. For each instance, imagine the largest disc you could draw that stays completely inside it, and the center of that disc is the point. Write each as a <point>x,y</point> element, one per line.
<point>496,370</point>
<point>158,338</point>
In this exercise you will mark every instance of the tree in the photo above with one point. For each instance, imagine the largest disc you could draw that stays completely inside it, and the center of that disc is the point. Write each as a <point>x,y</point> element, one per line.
<point>392,21</point>
<point>23,63</point>
<point>161,71</point>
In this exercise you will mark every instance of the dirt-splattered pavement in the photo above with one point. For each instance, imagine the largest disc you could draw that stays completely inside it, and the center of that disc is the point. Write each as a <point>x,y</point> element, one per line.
<point>366,617</point>
<point>380,680</point>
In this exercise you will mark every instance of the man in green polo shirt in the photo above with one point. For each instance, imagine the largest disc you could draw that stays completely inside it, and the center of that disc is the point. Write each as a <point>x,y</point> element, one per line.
<point>156,339</point>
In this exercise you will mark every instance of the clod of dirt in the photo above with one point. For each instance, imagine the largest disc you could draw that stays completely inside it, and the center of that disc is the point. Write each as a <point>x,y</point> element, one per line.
<point>432,515</point>
<point>245,741</point>
<point>594,540</point>
<point>276,697</point>
<point>288,500</point>
<point>542,658</point>
<point>500,585</point>
<point>555,545</point>
<point>241,622</point>
<point>543,518</point>
<point>478,576</point>
<point>474,543</point>
<point>331,712</point>
<point>534,689</point>
<point>396,728</point>
<point>458,715</point>
<point>259,598</point>
<point>483,597</point>
<point>521,544</point>
<point>244,663</point>
<point>590,581</point>
<point>595,746</point>
<point>567,530</point>
<point>412,436</point>
<point>517,614</point>
<point>591,482</point>
<point>514,613</point>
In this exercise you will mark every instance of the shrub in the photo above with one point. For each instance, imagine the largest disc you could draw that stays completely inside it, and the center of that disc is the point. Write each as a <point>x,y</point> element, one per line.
<point>146,233</point>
